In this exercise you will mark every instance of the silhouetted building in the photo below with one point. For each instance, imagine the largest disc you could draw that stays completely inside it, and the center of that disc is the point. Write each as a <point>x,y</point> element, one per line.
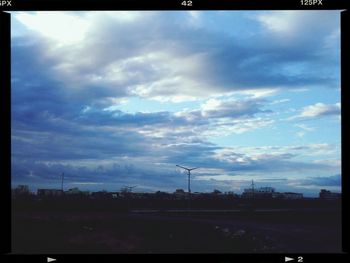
<point>115,194</point>
<point>180,193</point>
<point>262,192</point>
<point>22,189</point>
<point>49,192</point>
<point>265,190</point>
<point>102,195</point>
<point>73,191</point>
<point>328,195</point>
<point>290,195</point>
<point>76,192</point>
<point>216,192</point>
<point>163,195</point>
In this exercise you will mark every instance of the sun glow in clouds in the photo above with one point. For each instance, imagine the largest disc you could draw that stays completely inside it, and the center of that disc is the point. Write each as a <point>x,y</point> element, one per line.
<point>63,28</point>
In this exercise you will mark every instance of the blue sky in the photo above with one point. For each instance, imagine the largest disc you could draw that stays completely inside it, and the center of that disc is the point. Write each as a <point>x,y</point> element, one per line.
<point>120,98</point>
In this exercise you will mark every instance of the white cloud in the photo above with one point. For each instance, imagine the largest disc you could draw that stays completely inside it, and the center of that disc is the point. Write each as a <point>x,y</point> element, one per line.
<point>242,126</point>
<point>305,127</point>
<point>226,116</point>
<point>331,162</point>
<point>211,104</point>
<point>332,40</point>
<point>294,24</point>
<point>280,22</point>
<point>63,28</point>
<point>317,110</point>
<point>320,109</point>
<point>259,93</point>
<point>300,134</point>
<point>123,16</point>
<point>313,150</point>
<point>194,18</point>
<point>111,51</point>
<point>279,101</point>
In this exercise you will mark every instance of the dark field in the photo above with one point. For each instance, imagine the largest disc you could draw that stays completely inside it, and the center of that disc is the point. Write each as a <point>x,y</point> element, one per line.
<point>261,231</point>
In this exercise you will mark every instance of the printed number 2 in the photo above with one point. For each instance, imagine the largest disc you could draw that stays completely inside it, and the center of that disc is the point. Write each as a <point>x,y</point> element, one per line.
<point>300,259</point>
<point>186,3</point>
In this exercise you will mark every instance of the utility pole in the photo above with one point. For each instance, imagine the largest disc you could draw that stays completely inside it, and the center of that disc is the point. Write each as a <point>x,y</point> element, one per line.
<point>189,182</point>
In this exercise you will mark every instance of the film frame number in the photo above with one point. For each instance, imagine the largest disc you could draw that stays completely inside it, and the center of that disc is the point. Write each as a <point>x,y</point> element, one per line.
<point>187,3</point>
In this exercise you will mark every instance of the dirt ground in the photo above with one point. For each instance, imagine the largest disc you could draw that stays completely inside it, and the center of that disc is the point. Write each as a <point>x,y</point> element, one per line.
<point>108,232</point>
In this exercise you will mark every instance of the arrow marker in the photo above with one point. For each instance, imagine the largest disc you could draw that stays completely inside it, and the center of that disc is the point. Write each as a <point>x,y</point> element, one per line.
<point>286,259</point>
<point>51,259</point>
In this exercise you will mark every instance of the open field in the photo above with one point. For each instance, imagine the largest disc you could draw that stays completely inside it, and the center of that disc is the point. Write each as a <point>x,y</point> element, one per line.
<point>264,231</point>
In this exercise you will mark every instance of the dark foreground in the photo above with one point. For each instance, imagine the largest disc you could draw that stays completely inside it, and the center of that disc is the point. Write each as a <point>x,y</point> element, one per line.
<point>261,231</point>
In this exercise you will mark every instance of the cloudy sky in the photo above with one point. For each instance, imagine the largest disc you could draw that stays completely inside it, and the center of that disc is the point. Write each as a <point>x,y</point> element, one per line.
<point>120,98</point>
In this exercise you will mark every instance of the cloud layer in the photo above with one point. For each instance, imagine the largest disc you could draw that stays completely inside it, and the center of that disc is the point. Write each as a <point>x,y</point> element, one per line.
<point>114,98</point>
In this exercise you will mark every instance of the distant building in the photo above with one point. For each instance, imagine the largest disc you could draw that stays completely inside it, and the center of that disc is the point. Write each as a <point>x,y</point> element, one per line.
<point>160,193</point>
<point>49,192</point>
<point>231,194</point>
<point>163,195</point>
<point>262,192</point>
<point>328,195</point>
<point>73,191</point>
<point>76,191</point>
<point>102,195</point>
<point>216,192</point>
<point>21,190</point>
<point>294,196</point>
<point>115,195</point>
<point>180,193</point>
<point>265,190</point>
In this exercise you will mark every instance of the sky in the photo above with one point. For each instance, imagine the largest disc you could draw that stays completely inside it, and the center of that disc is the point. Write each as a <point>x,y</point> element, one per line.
<point>120,98</point>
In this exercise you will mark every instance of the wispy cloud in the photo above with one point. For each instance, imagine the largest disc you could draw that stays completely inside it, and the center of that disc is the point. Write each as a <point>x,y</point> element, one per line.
<point>318,110</point>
